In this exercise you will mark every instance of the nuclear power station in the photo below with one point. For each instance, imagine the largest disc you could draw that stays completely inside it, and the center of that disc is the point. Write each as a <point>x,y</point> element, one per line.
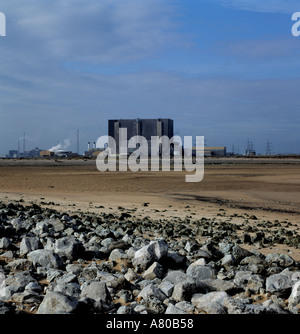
<point>141,127</point>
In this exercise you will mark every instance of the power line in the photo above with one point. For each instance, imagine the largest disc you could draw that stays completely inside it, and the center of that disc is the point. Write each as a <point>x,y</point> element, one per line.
<point>269,148</point>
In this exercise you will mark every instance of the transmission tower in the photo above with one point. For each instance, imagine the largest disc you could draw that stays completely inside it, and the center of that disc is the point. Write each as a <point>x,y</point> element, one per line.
<point>269,148</point>
<point>250,149</point>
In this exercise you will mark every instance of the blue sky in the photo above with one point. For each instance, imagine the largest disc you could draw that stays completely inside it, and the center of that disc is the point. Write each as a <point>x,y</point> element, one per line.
<point>225,69</point>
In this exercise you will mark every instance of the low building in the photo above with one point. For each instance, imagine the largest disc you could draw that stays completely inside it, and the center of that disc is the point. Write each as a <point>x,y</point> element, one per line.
<point>46,154</point>
<point>215,151</point>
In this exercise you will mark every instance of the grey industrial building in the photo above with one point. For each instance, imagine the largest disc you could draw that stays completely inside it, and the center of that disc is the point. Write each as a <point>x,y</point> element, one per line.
<point>141,127</point>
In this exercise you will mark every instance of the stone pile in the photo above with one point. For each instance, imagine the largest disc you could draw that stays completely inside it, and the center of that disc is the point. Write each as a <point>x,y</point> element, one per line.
<point>53,262</point>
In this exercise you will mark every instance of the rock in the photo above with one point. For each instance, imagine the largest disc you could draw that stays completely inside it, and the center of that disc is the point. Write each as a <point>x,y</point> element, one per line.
<point>184,290</point>
<point>5,243</point>
<point>57,303</point>
<point>131,276</point>
<point>279,283</point>
<point>96,290</point>
<point>50,263</point>
<point>283,260</point>
<point>167,288</point>
<point>124,310</point>
<point>69,289</point>
<point>18,281</point>
<point>68,247</point>
<point>210,303</point>
<point>29,244</point>
<point>20,265</point>
<point>155,270</point>
<point>118,255</point>
<point>154,305</point>
<point>185,306</point>
<point>151,290</point>
<point>191,246</point>
<point>240,253</point>
<point>150,253</point>
<point>171,309</point>
<point>201,272</point>
<point>175,276</point>
<point>212,284</point>
<point>294,297</point>
<point>46,258</point>
<point>234,305</point>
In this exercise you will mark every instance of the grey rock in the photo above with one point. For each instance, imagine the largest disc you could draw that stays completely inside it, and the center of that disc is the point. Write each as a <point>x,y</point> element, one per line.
<point>214,284</point>
<point>211,308</point>
<point>151,290</point>
<point>150,253</point>
<point>294,298</point>
<point>141,309</point>
<point>154,305</point>
<point>171,309</point>
<point>57,303</point>
<point>234,305</point>
<point>175,276</point>
<point>131,276</point>
<point>185,306</point>
<point>184,290</point>
<point>210,303</point>
<point>201,272</point>
<point>228,260</point>
<point>18,281</point>
<point>295,276</point>
<point>5,293</point>
<point>56,224</point>
<point>96,290</point>
<point>278,283</point>
<point>20,265</point>
<point>209,297</point>
<point>167,288</point>
<point>29,244</point>
<point>5,243</point>
<point>155,270</point>
<point>239,253</point>
<point>282,259</point>
<point>68,247</point>
<point>45,258</point>
<point>69,289</point>
<point>124,310</point>
<point>117,255</point>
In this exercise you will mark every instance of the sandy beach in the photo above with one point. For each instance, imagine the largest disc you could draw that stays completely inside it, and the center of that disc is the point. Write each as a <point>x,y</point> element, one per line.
<point>231,190</point>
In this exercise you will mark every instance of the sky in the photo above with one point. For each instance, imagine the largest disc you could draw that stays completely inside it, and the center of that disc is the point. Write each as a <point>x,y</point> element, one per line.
<point>228,70</point>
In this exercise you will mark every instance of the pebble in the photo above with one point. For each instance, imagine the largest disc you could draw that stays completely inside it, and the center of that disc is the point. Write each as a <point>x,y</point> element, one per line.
<point>52,263</point>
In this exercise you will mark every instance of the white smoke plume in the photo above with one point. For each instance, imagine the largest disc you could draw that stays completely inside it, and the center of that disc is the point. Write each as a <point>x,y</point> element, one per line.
<point>61,146</point>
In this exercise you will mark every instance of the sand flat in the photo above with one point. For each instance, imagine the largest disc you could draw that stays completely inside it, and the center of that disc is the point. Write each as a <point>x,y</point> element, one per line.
<point>230,191</point>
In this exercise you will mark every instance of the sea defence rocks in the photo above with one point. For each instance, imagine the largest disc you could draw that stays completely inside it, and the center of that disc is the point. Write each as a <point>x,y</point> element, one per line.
<point>57,262</point>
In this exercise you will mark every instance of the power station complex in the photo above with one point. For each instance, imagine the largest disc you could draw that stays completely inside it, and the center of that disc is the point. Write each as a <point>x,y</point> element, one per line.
<point>134,127</point>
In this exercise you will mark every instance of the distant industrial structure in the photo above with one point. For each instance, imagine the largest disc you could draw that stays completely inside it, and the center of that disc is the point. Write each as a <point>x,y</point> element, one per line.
<point>141,127</point>
<point>218,151</point>
<point>92,152</point>
<point>14,154</point>
<point>250,151</point>
<point>146,128</point>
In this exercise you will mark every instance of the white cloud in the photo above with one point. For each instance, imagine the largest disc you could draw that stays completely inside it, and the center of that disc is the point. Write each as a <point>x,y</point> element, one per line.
<point>266,6</point>
<point>99,31</point>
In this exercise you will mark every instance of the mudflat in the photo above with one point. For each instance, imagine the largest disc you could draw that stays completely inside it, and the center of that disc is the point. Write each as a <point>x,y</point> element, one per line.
<point>267,189</point>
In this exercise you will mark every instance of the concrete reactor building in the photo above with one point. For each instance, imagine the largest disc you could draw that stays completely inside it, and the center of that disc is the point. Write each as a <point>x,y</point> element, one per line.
<point>141,127</point>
